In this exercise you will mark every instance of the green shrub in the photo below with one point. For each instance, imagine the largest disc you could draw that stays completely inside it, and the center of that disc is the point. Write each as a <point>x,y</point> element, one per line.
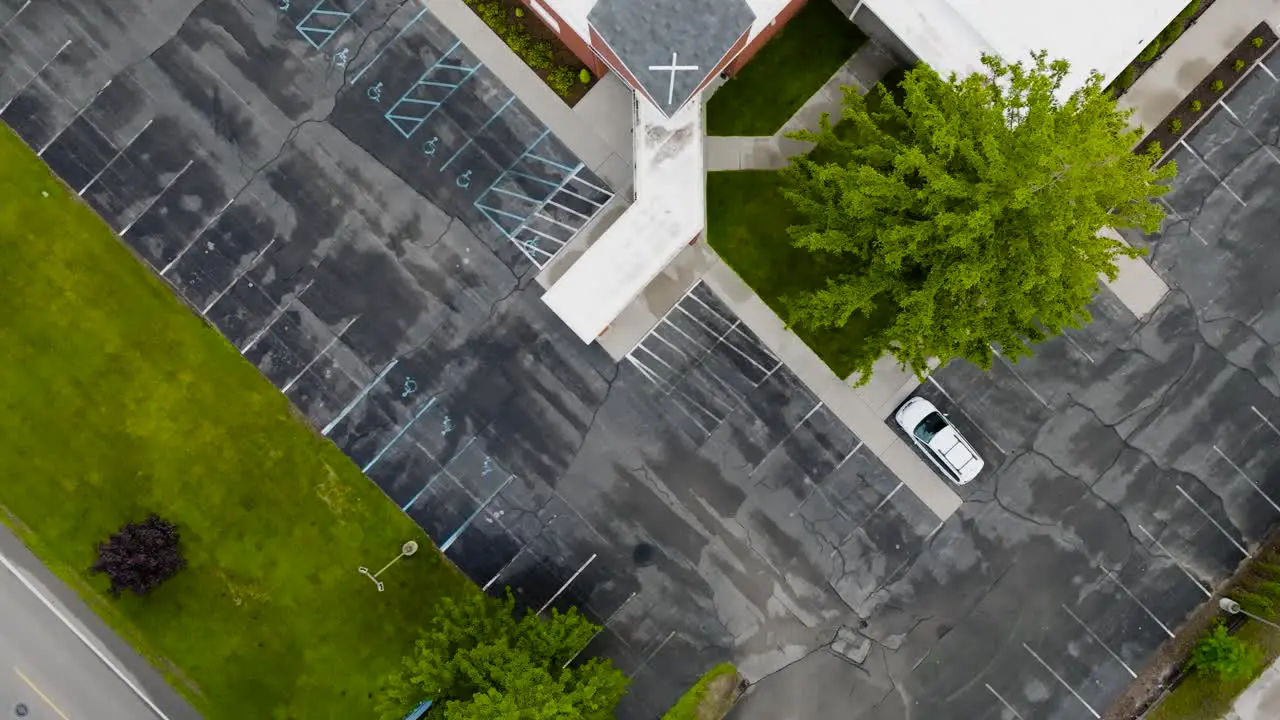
<point>1175,125</point>
<point>584,76</point>
<point>1150,52</point>
<point>1195,106</point>
<point>1225,655</point>
<point>519,12</point>
<point>561,80</point>
<point>690,706</point>
<point>1124,80</point>
<point>1217,86</point>
<point>1188,11</point>
<point>1172,32</point>
<point>1154,148</point>
<point>1257,42</point>
<point>1238,65</point>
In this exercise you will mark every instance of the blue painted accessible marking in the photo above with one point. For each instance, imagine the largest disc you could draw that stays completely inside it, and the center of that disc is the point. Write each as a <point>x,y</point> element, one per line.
<point>429,92</point>
<point>324,21</point>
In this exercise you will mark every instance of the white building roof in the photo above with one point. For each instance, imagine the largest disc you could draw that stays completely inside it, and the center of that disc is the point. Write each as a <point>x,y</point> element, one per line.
<point>669,211</point>
<point>952,35</point>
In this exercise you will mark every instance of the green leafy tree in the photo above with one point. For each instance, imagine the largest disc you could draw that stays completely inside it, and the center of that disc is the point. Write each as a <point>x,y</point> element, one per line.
<point>477,660</point>
<point>1225,655</point>
<point>970,208</point>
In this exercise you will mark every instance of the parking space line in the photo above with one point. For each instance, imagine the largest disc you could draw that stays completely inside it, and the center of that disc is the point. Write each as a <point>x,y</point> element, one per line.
<point>1076,345</point>
<point>478,132</point>
<point>960,407</point>
<point>399,434</point>
<point>1209,517</point>
<point>275,317</point>
<point>1182,141</point>
<point>155,199</point>
<point>359,396</point>
<point>320,31</point>
<point>74,117</point>
<point>195,238</point>
<point>1134,598</point>
<point>603,626</point>
<point>389,43</point>
<point>444,547</point>
<point>34,76</point>
<point>661,645</point>
<point>1060,680</point>
<point>1264,419</point>
<point>14,16</point>
<point>1247,479</point>
<point>325,351</point>
<point>1222,102</point>
<point>1004,702</point>
<point>115,157</point>
<point>239,276</point>
<point>1098,640</point>
<point>1025,384</point>
<point>1178,217</point>
<point>568,582</point>
<point>1177,562</point>
<point>40,692</point>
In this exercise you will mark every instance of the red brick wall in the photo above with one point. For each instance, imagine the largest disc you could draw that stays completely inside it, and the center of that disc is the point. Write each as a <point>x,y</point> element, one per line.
<point>604,51</point>
<point>576,44</point>
<point>750,51</point>
<point>729,54</point>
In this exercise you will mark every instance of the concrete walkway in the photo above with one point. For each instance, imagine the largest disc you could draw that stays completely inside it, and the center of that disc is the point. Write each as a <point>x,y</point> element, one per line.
<point>863,70</point>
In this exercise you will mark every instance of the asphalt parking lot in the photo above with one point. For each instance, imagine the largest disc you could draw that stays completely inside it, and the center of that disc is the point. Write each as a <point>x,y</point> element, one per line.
<point>359,206</point>
<point>1130,461</point>
<point>365,227</point>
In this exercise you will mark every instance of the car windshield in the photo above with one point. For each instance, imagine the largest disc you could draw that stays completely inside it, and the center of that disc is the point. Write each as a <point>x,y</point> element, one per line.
<point>930,426</point>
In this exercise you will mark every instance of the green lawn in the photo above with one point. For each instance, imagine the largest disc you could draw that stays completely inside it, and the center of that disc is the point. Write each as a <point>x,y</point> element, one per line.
<point>786,72</point>
<point>1205,697</point>
<point>116,401</point>
<point>747,220</point>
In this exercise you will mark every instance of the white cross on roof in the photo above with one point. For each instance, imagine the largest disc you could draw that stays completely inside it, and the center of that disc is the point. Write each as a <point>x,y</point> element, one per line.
<point>673,67</point>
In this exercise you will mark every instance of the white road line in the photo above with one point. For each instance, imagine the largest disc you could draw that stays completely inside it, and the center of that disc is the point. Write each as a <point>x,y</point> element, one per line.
<point>13,569</point>
<point>1213,522</point>
<point>1246,478</point>
<point>1058,677</point>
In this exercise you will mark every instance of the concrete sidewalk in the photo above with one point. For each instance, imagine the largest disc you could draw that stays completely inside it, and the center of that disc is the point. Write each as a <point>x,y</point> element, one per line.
<point>1261,700</point>
<point>863,70</point>
<point>1200,48</point>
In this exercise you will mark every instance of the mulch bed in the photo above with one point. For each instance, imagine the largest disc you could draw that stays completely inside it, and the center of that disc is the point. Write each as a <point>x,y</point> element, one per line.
<point>1140,66</point>
<point>1183,118</point>
<point>563,57</point>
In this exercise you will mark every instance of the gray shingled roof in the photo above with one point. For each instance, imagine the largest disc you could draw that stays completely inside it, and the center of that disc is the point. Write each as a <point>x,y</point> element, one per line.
<point>647,33</point>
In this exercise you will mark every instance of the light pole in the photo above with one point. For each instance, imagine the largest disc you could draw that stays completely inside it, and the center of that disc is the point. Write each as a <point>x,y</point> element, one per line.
<point>1232,607</point>
<point>406,550</point>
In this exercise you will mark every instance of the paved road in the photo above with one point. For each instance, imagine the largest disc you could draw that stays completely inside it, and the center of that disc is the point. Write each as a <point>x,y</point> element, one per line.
<point>47,668</point>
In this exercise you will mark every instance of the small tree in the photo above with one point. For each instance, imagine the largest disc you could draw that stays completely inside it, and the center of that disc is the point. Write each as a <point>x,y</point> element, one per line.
<point>478,661</point>
<point>969,209</point>
<point>1225,655</point>
<point>140,556</point>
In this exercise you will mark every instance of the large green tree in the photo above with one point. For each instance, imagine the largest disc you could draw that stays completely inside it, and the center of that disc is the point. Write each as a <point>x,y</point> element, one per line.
<point>970,209</point>
<point>478,661</point>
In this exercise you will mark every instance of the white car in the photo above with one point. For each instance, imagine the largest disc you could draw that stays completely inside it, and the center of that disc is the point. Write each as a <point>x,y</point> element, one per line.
<point>939,440</point>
